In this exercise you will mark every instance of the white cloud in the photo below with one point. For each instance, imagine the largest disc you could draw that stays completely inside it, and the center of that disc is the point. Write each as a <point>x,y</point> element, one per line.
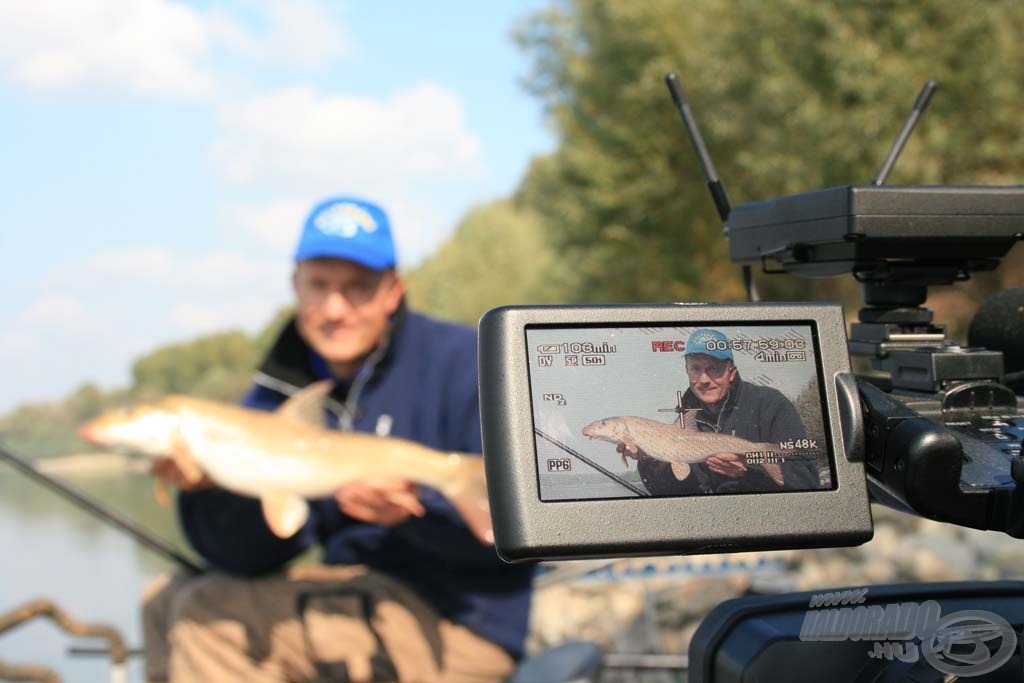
<point>217,270</point>
<point>146,46</point>
<point>226,269</point>
<point>403,151</point>
<point>294,32</point>
<point>156,46</point>
<point>145,263</point>
<point>192,318</point>
<point>63,312</point>
<point>346,140</point>
<point>275,225</point>
<point>17,343</point>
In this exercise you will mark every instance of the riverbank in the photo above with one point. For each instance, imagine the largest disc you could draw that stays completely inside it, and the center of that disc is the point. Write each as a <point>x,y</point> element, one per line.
<point>99,464</point>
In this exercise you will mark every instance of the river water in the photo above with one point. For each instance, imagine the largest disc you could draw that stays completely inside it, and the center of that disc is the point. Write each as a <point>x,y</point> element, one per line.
<point>51,549</point>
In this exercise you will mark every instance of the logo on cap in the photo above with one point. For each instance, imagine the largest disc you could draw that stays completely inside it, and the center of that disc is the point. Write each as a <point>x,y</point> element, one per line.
<point>344,220</point>
<point>709,342</point>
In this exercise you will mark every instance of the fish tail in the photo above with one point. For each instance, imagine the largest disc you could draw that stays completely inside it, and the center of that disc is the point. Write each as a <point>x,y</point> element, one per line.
<point>772,469</point>
<point>466,489</point>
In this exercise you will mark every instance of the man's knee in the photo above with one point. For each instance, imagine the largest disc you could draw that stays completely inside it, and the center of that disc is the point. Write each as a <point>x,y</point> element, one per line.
<point>205,598</point>
<point>233,611</point>
<point>204,617</point>
<point>158,597</point>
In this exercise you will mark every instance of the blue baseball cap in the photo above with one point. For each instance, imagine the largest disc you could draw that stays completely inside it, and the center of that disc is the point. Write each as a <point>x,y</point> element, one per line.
<point>348,228</point>
<point>699,341</point>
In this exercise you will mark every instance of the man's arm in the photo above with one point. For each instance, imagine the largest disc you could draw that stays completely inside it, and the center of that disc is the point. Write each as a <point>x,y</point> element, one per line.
<point>659,480</point>
<point>442,531</point>
<point>228,531</point>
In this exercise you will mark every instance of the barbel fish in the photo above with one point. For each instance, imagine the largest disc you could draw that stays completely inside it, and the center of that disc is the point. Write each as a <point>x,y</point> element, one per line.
<point>679,443</point>
<point>288,456</point>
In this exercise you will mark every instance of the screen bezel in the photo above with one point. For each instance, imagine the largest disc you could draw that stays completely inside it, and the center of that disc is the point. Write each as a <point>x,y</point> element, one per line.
<point>527,528</point>
<point>811,324</point>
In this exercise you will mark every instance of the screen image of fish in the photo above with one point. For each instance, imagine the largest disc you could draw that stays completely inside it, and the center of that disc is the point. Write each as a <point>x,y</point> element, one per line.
<point>672,411</point>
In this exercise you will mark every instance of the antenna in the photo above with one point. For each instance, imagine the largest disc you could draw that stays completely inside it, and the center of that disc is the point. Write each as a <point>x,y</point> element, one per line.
<point>715,185</point>
<point>920,104</point>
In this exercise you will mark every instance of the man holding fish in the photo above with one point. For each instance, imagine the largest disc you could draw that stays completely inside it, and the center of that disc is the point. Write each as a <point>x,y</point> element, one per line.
<point>719,404</point>
<point>410,589</point>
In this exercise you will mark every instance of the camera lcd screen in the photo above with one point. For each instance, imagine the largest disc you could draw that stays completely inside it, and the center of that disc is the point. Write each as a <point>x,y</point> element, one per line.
<point>673,411</point>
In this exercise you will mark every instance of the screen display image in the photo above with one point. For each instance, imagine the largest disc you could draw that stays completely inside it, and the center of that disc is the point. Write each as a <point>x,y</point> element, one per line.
<point>668,411</point>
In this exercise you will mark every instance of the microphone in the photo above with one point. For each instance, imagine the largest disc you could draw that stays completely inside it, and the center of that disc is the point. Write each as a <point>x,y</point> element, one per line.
<point>999,326</point>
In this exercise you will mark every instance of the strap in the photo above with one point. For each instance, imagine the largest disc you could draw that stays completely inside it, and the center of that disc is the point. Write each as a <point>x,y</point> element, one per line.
<point>381,666</point>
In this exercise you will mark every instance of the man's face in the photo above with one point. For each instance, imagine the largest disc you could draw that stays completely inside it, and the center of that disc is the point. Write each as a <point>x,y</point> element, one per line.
<point>343,308</point>
<point>709,377</point>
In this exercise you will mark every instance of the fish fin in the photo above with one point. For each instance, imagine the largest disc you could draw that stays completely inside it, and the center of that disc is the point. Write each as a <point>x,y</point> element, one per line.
<point>629,446</point>
<point>284,514</point>
<point>688,419</point>
<point>162,493</point>
<point>467,492</point>
<point>680,470</point>
<point>307,404</point>
<point>773,470</point>
<point>183,458</point>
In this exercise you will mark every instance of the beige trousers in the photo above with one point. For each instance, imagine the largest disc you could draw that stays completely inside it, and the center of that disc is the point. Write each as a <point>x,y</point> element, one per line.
<point>317,623</point>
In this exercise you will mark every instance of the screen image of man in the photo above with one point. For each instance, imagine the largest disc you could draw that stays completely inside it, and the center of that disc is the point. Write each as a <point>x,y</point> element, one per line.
<point>724,403</point>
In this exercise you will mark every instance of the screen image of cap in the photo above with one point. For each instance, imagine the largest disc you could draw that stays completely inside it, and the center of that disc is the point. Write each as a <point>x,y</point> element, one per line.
<point>710,343</point>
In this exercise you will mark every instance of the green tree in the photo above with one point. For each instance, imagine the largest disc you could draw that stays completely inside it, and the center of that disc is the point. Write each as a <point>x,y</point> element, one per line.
<point>791,95</point>
<point>500,254</point>
<point>189,367</point>
<point>217,366</point>
<point>265,337</point>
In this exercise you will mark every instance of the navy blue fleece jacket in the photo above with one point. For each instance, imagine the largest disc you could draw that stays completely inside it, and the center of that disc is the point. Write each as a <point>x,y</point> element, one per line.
<point>423,388</point>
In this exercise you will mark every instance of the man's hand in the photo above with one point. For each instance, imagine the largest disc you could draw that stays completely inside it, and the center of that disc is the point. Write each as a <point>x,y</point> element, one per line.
<point>385,501</point>
<point>166,470</point>
<point>727,464</point>
<point>631,450</point>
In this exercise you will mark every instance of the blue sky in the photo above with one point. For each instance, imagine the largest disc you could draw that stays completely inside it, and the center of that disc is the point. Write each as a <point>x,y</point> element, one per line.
<point>159,156</point>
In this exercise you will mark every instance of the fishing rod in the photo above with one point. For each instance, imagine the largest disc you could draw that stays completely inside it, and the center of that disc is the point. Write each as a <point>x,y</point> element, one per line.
<point>602,470</point>
<point>790,455</point>
<point>100,511</point>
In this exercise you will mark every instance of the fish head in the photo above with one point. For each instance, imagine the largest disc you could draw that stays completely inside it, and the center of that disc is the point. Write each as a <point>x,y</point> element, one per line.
<point>609,429</point>
<point>148,429</point>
